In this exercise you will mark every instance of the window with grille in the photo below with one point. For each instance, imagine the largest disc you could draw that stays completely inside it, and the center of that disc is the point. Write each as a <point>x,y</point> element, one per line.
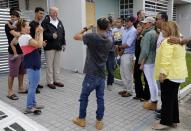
<point>92,1</point>
<point>8,3</point>
<point>152,7</point>
<point>126,8</point>
<point>174,12</point>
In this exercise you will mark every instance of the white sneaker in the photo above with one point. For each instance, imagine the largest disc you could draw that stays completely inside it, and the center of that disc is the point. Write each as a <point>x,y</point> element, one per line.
<point>109,87</point>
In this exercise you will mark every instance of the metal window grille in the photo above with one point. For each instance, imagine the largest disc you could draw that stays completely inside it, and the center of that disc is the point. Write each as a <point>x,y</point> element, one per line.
<point>8,4</point>
<point>174,12</point>
<point>152,7</point>
<point>126,8</point>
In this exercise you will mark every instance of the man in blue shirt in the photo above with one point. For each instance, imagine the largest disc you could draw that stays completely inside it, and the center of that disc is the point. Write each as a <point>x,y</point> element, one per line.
<point>127,59</point>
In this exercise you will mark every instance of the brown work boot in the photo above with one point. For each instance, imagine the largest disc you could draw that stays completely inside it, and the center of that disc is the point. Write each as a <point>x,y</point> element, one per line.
<point>79,122</point>
<point>122,92</point>
<point>99,125</point>
<point>150,105</point>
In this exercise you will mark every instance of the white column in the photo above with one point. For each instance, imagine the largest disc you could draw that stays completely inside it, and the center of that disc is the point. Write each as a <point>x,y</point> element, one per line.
<point>72,13</point>
<point>170,9</point>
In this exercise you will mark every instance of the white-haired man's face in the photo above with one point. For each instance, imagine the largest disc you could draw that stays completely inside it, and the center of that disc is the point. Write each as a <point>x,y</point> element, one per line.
<point>53,14</point>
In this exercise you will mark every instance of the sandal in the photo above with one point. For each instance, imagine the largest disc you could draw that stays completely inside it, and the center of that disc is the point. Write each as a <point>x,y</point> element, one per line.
<point>33,110</point>
<point>13,97</point>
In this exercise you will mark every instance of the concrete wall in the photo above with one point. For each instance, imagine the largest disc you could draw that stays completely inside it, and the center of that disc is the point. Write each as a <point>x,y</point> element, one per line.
<point>73,17</point>
<point>105,7</point>
<point>184,19</point>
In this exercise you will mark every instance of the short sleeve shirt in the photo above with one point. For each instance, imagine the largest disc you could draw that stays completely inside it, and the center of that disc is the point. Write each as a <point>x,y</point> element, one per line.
<point>98,47</point>
<point>129,37</point>
<point>31,54</point>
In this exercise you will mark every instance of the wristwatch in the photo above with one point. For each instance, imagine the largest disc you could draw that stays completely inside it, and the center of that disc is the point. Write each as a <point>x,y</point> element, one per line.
<point>85,28</point>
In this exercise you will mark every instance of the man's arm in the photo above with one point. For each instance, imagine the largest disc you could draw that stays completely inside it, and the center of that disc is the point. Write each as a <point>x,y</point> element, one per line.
<point>79,36</point>
<point>14,33</point>
<point>13,43</point>
<point>177,40</point>
<point>131,38</point>
<point>38,41</point>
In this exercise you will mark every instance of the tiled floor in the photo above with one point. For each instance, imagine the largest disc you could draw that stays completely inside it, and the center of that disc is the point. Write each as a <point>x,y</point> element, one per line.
<point>61,106</point>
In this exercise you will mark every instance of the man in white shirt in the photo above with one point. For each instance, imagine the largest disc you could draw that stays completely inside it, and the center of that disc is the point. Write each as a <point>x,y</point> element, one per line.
<point>161,17</point>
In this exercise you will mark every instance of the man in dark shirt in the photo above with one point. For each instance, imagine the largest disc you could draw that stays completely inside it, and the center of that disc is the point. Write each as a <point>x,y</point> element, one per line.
<point>140,17</point>
<point>39,14</point>
<point>16,68</point>
<point>54,34</point>
<point>98,47</point>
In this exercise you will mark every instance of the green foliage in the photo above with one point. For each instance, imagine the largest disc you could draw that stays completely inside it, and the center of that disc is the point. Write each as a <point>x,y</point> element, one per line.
<point>188,79</point>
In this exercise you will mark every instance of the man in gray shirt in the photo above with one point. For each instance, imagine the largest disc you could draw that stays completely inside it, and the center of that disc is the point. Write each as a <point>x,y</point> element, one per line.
<point>98,47</point>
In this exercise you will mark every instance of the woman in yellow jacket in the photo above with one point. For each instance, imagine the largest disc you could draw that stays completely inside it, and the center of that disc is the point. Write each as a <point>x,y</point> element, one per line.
<point>170,70</point>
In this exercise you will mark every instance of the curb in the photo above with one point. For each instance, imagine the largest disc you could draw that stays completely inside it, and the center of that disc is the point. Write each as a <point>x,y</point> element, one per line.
<point>185,91</point>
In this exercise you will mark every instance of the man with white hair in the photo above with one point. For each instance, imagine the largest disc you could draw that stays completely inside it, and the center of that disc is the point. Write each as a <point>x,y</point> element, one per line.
<point>54,34</point>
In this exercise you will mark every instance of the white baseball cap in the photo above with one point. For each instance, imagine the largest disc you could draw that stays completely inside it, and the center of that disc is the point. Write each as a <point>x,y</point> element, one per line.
<point>149,20</point>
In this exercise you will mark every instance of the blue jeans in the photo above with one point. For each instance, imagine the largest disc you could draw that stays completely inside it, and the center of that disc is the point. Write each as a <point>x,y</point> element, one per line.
<point>33,79</point>
<point>110,65</point>
<point>89,84</point>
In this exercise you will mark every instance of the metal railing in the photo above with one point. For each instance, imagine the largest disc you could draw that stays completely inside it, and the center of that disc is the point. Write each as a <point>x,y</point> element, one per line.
<point>8,3</point>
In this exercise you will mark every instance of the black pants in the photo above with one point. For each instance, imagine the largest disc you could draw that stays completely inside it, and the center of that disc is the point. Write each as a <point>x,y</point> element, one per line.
<point>169,98</point>
<point>139,90</point>
<point>110,65</point>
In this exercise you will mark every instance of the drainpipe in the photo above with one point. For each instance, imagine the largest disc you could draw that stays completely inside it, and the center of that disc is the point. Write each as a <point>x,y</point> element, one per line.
<point>47,5</point>
<point>27,4</point>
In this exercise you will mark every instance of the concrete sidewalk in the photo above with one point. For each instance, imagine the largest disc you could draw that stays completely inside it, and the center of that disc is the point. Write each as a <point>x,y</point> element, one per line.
<point>61,106</point>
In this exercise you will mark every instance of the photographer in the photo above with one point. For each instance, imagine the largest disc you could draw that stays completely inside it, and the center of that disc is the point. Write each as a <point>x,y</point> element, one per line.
<point>98,47</point>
